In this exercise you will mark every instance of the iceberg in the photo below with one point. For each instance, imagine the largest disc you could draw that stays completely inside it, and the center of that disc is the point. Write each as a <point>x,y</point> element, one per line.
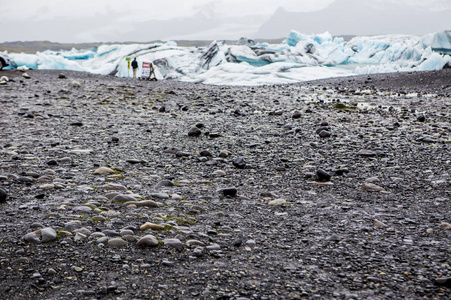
<point>299,57</point>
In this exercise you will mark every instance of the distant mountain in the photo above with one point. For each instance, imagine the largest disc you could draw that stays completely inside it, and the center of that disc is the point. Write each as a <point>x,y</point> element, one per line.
<point>350,17</point>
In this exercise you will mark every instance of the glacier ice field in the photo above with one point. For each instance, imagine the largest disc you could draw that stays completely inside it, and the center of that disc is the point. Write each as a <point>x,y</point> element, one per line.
<point>300,57</point>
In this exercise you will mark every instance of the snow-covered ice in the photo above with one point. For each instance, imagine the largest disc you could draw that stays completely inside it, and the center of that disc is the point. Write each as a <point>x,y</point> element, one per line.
<point>300,57</point>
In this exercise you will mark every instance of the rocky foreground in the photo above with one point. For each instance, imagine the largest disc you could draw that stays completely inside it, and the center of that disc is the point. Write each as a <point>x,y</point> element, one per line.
<point>116,188</point>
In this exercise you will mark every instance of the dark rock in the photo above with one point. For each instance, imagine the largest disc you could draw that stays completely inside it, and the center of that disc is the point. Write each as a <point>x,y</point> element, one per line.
<point>62,76</point>
<point>3,195</point>
<point>195,131</point>
<point>111,233</point>
<point>133,161</point>
<point>52,162</point>
<point>444,281</point>
<point>421,118</point>
<point>206,153</point>
<point>324,133</point>
<point>239,163</point>
<point>366,153</point>
<point>214,135</point>
<point>322,176</point>
<point>237,242</point>
<point>296,115</point>
<point>181,154</point>
<point>231,191</point>
<point>165,183</point>
<point>79,124</point>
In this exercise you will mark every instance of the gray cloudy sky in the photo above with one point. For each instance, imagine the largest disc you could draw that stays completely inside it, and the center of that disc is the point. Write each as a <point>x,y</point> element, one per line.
<point>146,20</point>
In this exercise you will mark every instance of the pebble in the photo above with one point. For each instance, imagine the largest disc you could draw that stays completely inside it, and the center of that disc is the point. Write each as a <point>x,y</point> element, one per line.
<point>44,235</point>
<point>165,183</point>
<point>239,163</point>
<point>174,243</point>
<point>443,281</point>
<point>213,247</point>
<point>322,175</point>
<point>114,187</point>
<point>378,223</point>
<point>148,241</point>
<point>117,242</point>
<point>48,234</point>
<point>72,225</point>
<point>277,202</point>
<point>194,132</point>
<point>176,197</point>
<point>296,115</point>
<point>445,226</point>
<point>371,187</point>
<point>121,198</point>
<point>3,196</point>
<point>219,173</point>
<point>366,153</point>
<point>151,226</point>
<point>160,195</point>
<point>195,243</point>
<point>82,209</point>
<point>104,170</point>
<point>230,191</point>
<point>324,134</point>
<point>147,203</point>
<point>33,237</point>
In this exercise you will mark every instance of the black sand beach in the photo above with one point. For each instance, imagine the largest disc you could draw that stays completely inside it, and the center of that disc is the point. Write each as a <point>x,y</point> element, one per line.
<point>114,188</point>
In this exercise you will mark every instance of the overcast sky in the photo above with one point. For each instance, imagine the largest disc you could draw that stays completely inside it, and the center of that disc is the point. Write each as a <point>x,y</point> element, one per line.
<point>114,20</point>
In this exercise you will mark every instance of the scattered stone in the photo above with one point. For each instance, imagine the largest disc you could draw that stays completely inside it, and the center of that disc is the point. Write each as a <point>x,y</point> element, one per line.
<point>366,153</point>
<point>213,247</point>
<point>114,187</point>
<point>206,153</point>
<point>165,183</point>
<point>324,134</point>
<point>378,223</point>
<point>296,115</point>
<point>25,75</point>
<point>322,176</point>
<point>174,243</point>
<point>230,191</point>
<point>147,203</point>
<point>195,243</point>
<point>121,198</point>
<point>371,187</point>
<point>134,161</point>
<point>117,242</point>
<point>33,237</point>
<point>3,196</point>
<point>445,226</point>
<point>104,170</point>
<point>148,241</point>
<point>239,163</point>
<point>277,202</point>
<point>151,226</point>
<point>194,132</point>
<point>443,281</point>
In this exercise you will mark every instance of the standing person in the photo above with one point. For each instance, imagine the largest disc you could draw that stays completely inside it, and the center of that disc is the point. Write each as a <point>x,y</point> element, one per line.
<point>135,67</point>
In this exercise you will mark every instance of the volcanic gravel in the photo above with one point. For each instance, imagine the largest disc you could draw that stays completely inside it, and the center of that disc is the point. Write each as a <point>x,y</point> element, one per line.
<point>114,188</point>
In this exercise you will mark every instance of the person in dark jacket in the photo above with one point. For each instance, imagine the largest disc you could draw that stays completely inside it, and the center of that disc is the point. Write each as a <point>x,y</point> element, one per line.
<point>135,67</point>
